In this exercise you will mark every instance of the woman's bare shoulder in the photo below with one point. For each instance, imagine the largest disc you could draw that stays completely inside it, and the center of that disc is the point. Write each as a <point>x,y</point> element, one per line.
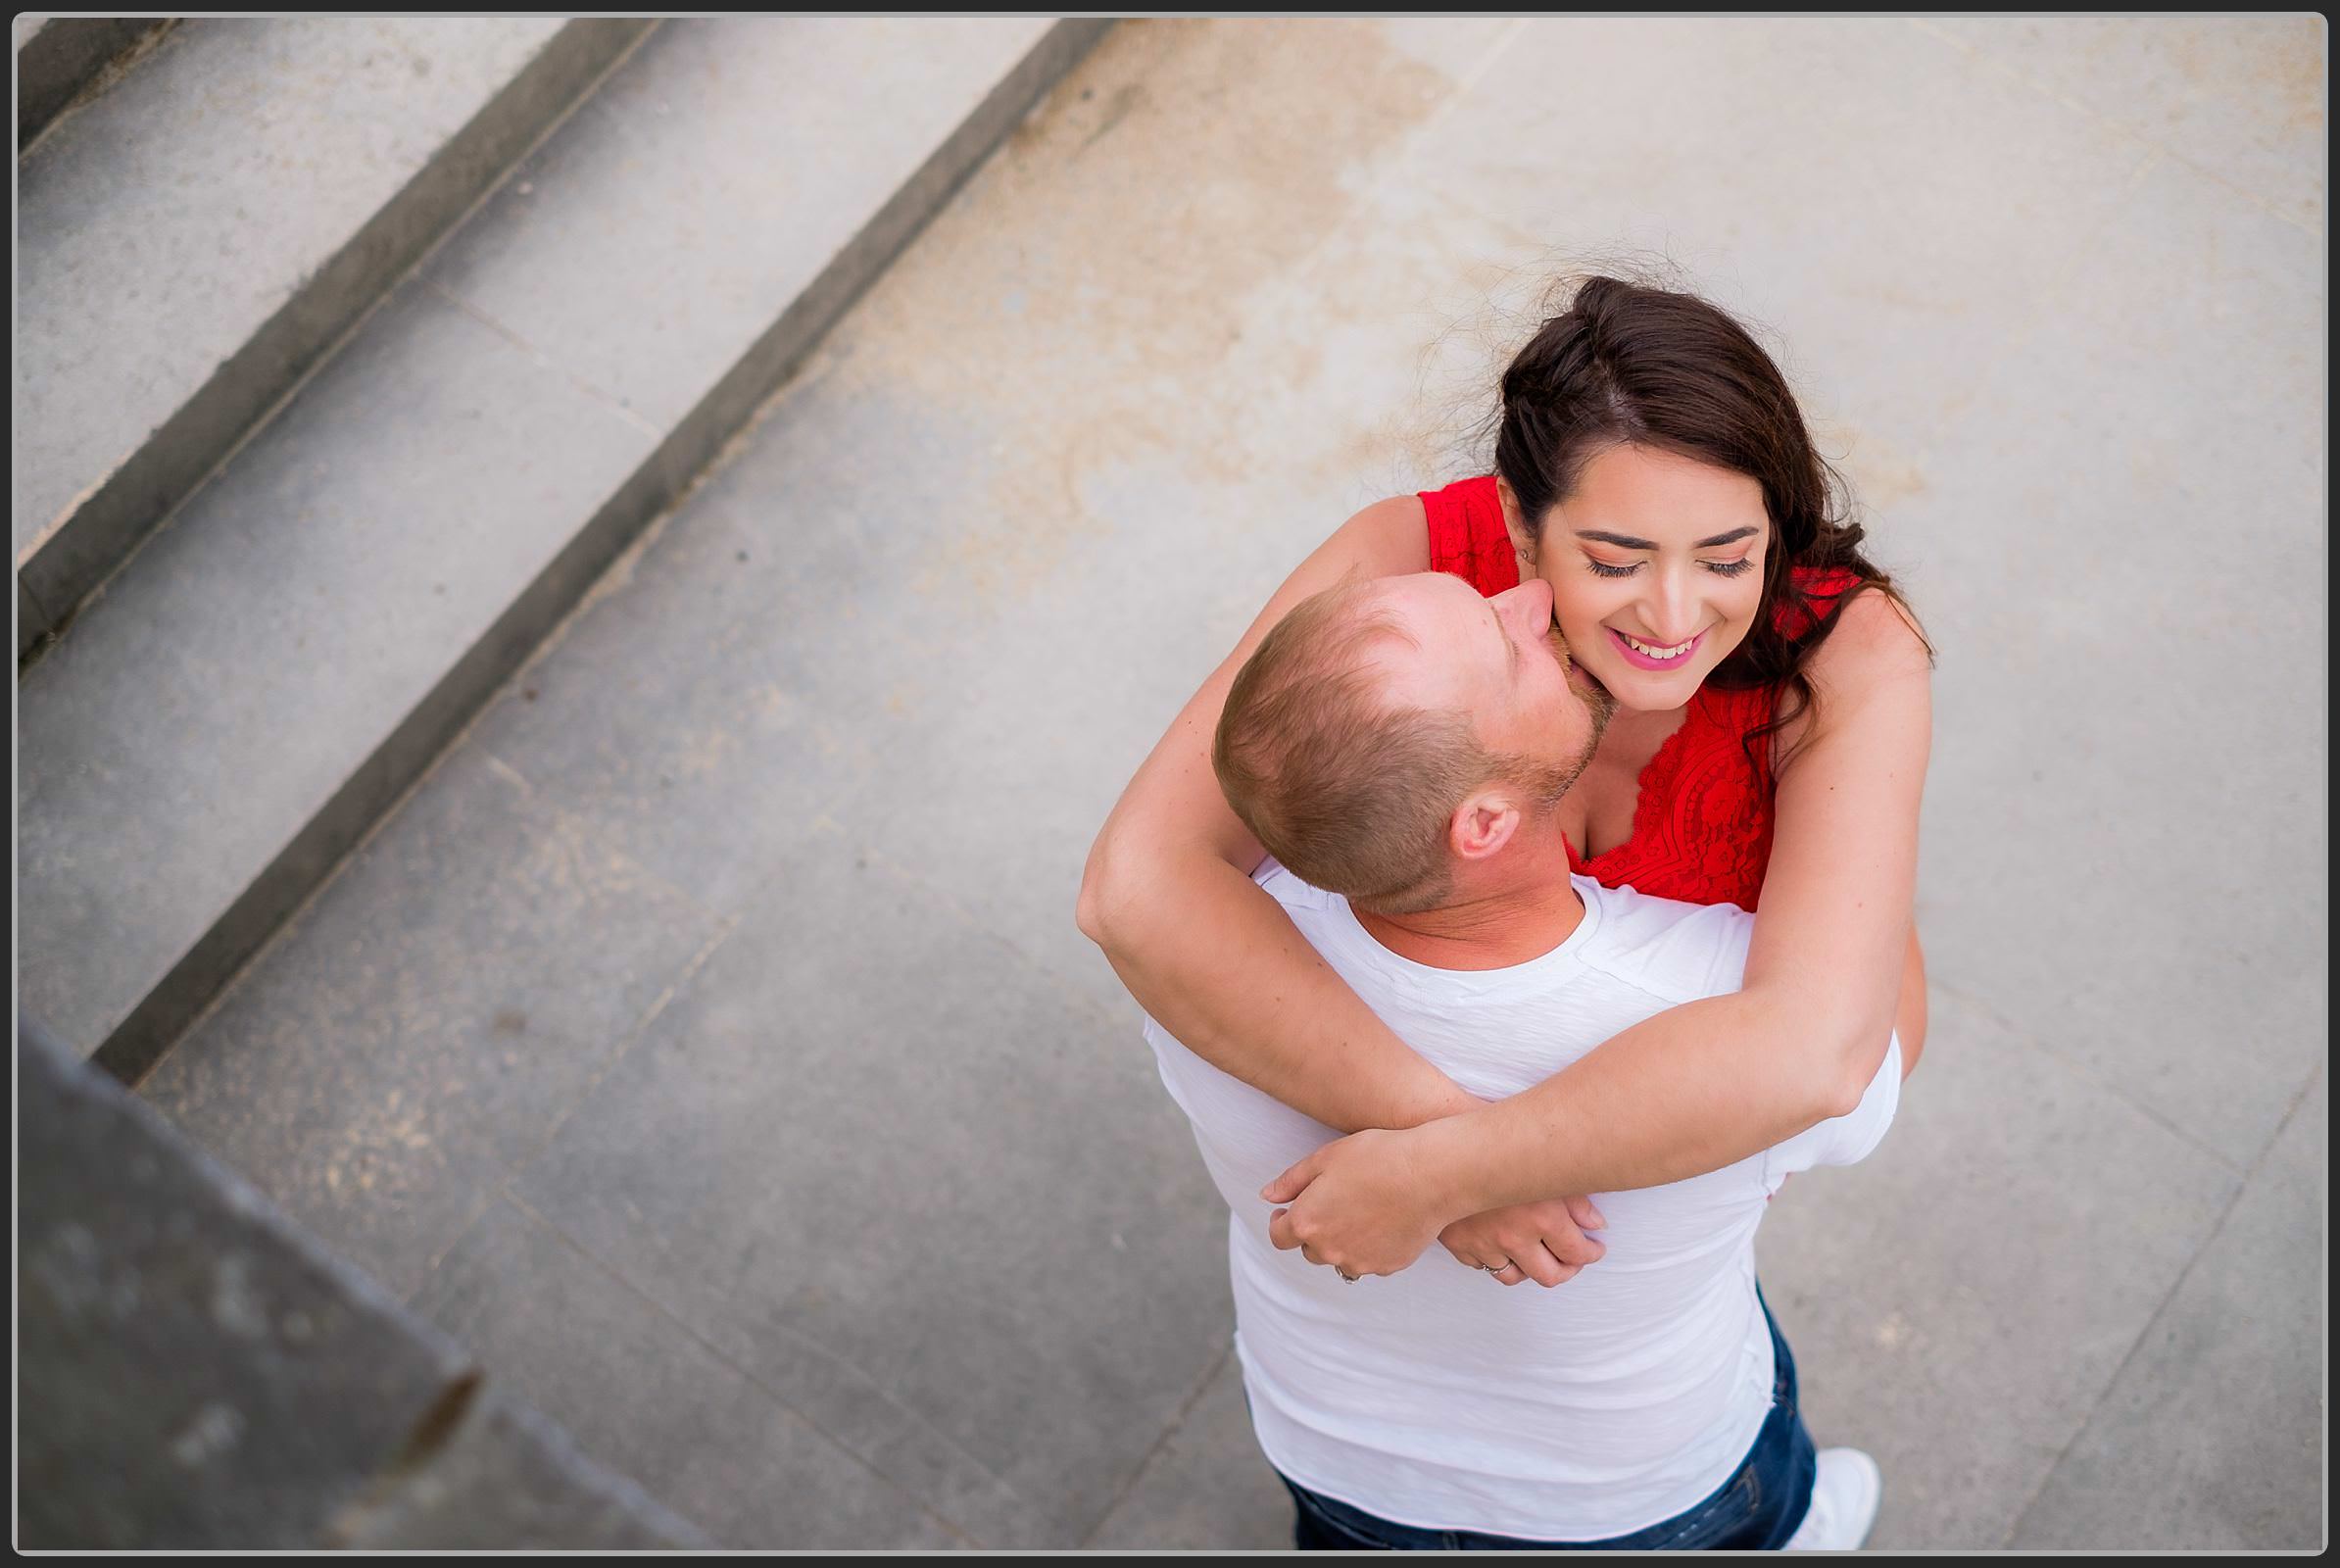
<point>1387,538</point>
<point>1875,639</point>
<point>1874,669</point>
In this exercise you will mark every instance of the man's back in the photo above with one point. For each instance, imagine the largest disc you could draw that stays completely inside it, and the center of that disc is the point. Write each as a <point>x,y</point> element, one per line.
<point>1437,1397</point>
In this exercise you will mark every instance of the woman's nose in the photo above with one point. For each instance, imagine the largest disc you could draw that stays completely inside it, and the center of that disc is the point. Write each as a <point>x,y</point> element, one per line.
<point>1672,610</point>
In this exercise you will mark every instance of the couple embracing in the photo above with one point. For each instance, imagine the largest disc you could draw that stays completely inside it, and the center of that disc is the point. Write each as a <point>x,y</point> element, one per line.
<point>1553,836</point>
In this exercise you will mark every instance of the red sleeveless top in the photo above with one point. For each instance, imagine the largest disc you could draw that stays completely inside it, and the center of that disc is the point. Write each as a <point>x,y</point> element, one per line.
<point>1702,822</point>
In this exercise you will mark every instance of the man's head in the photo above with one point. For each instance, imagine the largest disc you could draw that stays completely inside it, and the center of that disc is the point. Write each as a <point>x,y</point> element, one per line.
<point>1387,735</point>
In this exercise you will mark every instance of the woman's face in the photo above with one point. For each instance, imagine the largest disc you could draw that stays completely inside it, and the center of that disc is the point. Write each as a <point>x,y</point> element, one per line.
<point>1656,568</point>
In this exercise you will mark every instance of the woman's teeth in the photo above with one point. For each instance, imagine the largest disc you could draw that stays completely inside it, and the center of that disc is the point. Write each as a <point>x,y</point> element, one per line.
<point>1657,653</point>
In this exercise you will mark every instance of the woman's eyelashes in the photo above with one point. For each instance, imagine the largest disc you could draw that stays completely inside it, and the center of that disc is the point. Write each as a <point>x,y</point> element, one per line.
<point>1721,568</point>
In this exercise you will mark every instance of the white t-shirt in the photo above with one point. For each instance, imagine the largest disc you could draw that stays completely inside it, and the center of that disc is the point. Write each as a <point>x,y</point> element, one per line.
<point>1439,1398</point>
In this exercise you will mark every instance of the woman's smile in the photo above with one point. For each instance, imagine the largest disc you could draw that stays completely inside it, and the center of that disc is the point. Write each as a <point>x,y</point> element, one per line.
<point>1652,656</point>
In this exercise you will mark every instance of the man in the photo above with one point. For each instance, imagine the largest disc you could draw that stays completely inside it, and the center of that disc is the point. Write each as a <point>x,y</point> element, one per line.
<point>1399,746</point>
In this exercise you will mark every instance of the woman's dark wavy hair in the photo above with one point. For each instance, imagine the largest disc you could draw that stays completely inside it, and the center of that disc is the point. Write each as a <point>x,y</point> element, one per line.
<point>1628,363</point>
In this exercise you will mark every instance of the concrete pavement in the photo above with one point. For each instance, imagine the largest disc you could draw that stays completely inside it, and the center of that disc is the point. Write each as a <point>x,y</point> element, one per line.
<point>707,1043</point>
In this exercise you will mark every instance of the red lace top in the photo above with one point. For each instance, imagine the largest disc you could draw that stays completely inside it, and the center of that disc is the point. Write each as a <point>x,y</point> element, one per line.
<point>1702,822</point>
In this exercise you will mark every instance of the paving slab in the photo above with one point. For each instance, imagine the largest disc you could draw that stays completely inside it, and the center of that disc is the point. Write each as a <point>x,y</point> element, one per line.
<point>296,610</point>
<point>1885,260</point>
<point>508,1480</point>
<point>1923,324</point>
<point>706,733</point>
<point>713,700</point>
<point>199,1372</point>
<point>424,1024</point>
<point>2119,755</point>
<point>2220,1399</point>
<point>868,1128</point>
<point>677,162</point>
<point>564,478</point>
<point>1100,573</point>
<point>1207,1488</point>
<point>1195,313</point>
<point>192,242</point>
<point>59,57</point>
<point>1959,1302</point>
<point>643,1396</point>
<point>2242,98</point>
<point>1163,305</point>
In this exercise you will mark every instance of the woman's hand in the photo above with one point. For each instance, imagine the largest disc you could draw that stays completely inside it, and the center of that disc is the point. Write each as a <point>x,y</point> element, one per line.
<point>1541,1242</point>
<point>1362,1204</point>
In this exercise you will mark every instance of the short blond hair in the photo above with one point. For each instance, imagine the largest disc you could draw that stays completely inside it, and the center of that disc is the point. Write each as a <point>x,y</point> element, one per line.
<point>1352,792</point>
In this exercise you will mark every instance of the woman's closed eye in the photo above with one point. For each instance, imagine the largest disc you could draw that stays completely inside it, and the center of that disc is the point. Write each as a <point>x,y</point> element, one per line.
<point>1721,568</point>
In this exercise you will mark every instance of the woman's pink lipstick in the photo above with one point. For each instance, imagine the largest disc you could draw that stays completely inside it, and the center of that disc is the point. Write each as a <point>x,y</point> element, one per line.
<point>1641,660</point>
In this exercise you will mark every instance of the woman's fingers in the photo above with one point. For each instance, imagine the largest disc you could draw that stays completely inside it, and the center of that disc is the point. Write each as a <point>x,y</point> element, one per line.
<point>1295,1178</point>
<point>1541,1242</point>
<point>1541,1265</point>
<point>1535,1261</point>
<point>1560,1224</point>
<point>1503,1272</point>
<point>1516,1273</point>
<point>1571,1245</point>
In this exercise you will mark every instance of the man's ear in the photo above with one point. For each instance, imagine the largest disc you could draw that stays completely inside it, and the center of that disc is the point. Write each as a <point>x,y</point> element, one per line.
<point>1483,824</point>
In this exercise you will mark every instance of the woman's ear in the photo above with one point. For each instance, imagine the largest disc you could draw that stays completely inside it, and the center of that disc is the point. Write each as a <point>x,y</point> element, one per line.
<point>1523,543</point>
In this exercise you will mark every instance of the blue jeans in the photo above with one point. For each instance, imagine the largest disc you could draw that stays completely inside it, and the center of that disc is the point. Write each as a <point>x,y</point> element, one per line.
<point>1756,1510</point>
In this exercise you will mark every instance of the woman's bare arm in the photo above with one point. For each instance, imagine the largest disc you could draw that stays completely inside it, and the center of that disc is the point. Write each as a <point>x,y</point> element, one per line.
<point>1909,1021</point>
<point>1168,895</point>
<point>1711,1081</point>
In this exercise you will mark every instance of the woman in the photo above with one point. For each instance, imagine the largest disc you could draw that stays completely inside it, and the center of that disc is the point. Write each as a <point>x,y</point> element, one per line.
<point>1769,749</point>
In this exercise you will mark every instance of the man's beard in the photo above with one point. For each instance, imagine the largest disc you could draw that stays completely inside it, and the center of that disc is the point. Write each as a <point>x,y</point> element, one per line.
<point>1547,782</point>
<point>1597,696</point>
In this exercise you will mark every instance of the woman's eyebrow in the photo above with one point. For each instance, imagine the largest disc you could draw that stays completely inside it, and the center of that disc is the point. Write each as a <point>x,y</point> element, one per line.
<point>1625,541</point>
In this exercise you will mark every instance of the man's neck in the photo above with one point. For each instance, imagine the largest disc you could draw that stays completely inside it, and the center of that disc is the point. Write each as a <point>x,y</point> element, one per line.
<point>1513,924</point>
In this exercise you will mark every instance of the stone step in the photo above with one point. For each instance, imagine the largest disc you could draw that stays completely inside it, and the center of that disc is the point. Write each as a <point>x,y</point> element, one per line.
<point>59,58</point>
<point>203,1375</point>
<point>288,655</point>
<point>193,241</point>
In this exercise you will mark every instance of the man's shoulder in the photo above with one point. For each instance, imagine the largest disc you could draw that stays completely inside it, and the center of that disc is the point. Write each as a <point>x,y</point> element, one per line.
<point>1322,917</point>
<point>1678,950</point>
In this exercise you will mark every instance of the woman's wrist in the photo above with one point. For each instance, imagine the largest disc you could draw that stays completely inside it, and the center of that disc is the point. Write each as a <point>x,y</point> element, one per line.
<point>1452,1163</point>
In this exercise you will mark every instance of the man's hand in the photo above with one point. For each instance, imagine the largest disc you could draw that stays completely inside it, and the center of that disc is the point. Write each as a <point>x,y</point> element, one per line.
<point>1541,1242</point>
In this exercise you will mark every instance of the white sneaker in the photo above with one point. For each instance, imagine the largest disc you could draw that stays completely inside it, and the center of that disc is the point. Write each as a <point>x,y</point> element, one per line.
<point>1844,1499</point>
